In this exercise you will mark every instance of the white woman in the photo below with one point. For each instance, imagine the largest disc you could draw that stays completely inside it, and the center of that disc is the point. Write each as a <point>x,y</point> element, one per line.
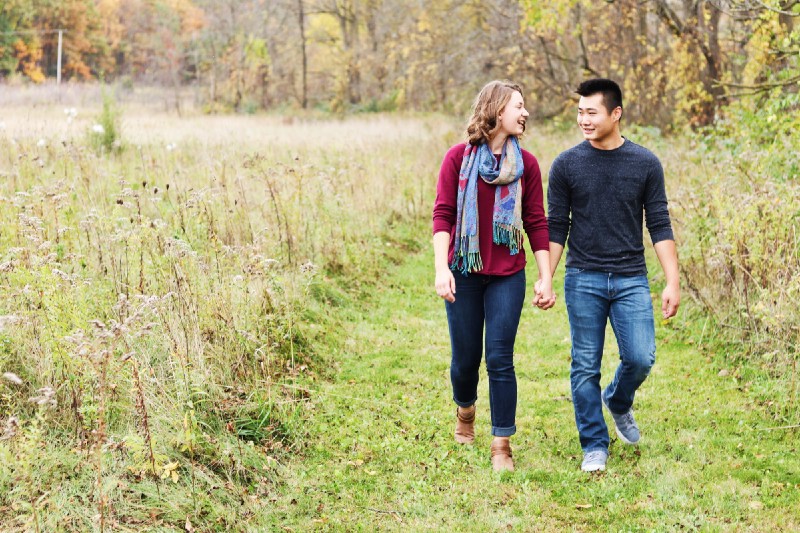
<point>488,196</point>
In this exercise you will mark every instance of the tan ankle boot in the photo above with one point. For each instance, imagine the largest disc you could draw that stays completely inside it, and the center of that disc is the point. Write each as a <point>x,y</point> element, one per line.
<point>501,456</point>
<point>465,425</point>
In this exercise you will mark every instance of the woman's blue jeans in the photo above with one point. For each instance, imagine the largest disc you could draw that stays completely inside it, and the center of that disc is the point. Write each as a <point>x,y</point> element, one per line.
<point>593,298</point>
<point>495,301</point>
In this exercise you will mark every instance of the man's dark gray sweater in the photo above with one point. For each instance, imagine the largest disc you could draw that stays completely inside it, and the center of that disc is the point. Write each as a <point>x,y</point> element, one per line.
<point>597,198</point>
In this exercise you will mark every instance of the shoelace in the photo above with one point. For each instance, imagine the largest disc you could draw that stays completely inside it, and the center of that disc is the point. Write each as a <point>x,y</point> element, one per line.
<point>627,418</point>
<point>592,456</point>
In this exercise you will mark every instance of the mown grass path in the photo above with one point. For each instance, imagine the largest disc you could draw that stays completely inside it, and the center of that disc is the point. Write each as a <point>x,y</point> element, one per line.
<point>380,455</point>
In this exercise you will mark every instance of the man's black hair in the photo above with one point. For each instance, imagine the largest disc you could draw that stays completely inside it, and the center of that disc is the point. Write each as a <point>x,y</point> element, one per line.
<point>612,94</point>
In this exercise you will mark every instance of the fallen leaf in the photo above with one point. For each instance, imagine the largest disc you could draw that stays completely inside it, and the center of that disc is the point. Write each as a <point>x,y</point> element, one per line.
<point>583,505</point>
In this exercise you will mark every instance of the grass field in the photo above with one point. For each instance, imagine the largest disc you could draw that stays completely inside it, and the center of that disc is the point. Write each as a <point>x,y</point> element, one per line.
<point>379,451</point>
<point>230,325</point>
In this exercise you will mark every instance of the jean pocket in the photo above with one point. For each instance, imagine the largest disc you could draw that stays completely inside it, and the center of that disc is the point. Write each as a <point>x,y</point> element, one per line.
<point>573,270</point>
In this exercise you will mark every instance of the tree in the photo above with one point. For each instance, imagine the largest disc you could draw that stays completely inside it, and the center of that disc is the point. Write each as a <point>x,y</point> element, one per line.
<point>84,45</point>
<point>20,46</point>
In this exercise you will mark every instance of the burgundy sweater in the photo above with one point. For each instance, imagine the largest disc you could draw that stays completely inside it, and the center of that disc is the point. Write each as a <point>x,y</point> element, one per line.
<point>497,259</point>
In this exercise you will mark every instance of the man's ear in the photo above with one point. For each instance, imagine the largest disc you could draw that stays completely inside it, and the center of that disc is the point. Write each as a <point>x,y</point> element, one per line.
<point>617,113</point>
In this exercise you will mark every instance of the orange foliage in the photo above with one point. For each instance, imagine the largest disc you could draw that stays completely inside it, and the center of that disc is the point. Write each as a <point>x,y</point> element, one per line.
<point>29,57</point>
<point>192,17</point>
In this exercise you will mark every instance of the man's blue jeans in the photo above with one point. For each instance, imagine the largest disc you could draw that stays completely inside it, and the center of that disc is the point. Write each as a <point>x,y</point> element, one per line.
<point>592,299</point>
<point>496,301</point>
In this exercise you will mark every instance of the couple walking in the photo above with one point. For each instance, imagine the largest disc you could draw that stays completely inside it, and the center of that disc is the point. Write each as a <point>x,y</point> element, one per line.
<point>488,195</point>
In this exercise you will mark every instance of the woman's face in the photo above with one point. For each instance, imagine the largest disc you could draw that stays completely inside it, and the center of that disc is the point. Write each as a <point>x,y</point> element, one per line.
<point>513,117</point>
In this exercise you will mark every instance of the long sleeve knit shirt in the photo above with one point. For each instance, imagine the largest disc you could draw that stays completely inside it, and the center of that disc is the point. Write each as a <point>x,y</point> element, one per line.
<point>597,198</point>
<point>497,259</point>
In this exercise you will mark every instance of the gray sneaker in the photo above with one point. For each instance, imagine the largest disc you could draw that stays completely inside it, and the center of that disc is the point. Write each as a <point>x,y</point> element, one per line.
<point>627,430</point>
<point>593,461</point>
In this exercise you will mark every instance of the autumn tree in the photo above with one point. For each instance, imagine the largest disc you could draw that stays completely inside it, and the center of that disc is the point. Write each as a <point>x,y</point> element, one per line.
<point>679,61</point>
<point>20,45</point>
<point>85,48</point>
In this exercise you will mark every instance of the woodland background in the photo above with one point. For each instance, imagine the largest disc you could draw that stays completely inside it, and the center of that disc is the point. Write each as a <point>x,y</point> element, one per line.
<point>680,61</point>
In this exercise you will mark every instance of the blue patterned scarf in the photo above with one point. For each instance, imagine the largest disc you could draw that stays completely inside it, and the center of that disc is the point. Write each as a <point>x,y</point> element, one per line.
<point>507,218</point>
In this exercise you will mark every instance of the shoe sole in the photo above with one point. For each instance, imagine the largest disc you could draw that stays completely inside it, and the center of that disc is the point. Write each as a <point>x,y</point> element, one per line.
<point>594,469</point>
<point>623,439</point>
<point>616,429</point>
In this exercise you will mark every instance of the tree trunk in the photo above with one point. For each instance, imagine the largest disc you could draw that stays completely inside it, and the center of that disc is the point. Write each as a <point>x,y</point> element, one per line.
<point>705,36</point>
<point>301,15</point>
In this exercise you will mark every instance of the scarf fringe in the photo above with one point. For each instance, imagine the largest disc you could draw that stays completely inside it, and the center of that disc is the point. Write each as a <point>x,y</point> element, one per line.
<point>509,236</point>
<point>466,263</point>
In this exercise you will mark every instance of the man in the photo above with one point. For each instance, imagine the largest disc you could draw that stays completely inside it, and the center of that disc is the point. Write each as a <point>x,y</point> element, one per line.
<point>597,194</point>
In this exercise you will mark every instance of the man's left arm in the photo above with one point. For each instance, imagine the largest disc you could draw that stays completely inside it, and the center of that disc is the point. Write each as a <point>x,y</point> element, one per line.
<point>660,229</point>
<point>671,296</point>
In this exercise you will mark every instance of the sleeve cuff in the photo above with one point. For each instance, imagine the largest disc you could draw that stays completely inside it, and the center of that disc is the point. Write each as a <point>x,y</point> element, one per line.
<point>662,236</point>
<point>441,225</point>
<point>539,241</point>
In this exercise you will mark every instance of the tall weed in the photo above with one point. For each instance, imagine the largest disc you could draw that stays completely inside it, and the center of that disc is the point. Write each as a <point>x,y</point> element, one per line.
<point>738,209</point>
<point>105,133</point>
<point>171,299</point>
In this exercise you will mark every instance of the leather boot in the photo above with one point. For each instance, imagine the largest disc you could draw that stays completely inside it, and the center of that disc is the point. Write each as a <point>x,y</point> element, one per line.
<point>501,455</point>
<point>465,425</point>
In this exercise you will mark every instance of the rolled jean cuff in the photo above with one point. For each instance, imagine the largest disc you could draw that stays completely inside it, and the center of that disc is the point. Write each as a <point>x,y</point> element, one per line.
<point>466,404</point>
<point>503,432</point>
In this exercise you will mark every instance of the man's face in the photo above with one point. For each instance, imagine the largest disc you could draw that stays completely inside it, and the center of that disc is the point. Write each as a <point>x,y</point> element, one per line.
<point>596,123</point>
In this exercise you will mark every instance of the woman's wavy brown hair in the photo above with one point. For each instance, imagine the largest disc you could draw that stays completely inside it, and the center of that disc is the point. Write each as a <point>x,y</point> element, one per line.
<point>486,109</point>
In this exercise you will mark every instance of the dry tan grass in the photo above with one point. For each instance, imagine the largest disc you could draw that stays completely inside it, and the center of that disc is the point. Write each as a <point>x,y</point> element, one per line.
<point>40,113</point>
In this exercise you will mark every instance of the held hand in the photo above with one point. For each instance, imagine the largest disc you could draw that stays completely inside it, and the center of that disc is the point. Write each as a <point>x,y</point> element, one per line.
<point>545,298</point>
<point>670,300</point>
<point>446,284</point>
<point>537,296</point>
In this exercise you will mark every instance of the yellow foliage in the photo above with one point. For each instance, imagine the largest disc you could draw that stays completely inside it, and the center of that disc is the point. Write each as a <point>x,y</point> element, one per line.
<point>192,17</point>
<point>29,57</point>
<point>322,27</point>
<point>112,26</point>
<point>169,471</point>
<point>760,48</point>
<point>690,92</point>
<point>424,23</point>
<point>549,16</point>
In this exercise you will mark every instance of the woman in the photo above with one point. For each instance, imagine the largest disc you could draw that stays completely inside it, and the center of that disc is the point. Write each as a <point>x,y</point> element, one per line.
<point>489,193</point>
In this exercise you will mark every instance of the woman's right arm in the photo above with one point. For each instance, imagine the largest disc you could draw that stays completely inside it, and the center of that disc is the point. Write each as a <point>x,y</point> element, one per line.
<point>444,218</point>
<point>445,281</point>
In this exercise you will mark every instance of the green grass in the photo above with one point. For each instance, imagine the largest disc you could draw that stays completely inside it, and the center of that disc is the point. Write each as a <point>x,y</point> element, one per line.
<point>294,366</point>
<point>379,453</point>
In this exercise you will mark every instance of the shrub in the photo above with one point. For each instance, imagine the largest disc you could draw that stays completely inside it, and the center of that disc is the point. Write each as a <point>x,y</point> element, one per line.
<point>738,213</point>
<point>104,135</point>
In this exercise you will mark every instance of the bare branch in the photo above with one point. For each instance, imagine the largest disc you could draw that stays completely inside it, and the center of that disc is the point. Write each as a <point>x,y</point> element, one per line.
<point>764,86</point>
<point>776,10</point>
<point>670,18</point>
